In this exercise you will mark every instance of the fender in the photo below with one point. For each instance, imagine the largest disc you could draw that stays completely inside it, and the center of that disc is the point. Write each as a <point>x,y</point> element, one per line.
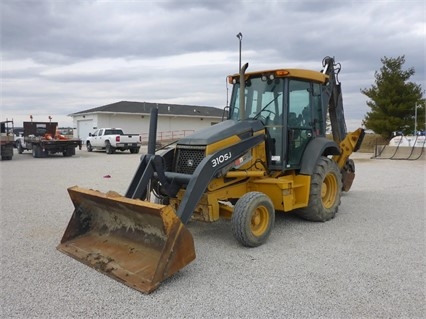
<point>319,146</point>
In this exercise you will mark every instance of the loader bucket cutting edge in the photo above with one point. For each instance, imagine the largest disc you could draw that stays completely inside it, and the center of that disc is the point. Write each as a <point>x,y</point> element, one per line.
<point>135,242</point>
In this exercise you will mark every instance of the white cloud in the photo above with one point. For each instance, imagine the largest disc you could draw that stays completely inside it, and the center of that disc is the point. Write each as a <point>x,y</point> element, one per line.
<point>62,57</point>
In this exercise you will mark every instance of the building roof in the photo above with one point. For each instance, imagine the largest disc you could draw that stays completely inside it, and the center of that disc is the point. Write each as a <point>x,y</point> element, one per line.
<point>163,109</point>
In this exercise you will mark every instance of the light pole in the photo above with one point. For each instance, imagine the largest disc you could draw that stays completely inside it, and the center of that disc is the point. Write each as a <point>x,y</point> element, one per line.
<point>240,37</point>
<point>415,120</point>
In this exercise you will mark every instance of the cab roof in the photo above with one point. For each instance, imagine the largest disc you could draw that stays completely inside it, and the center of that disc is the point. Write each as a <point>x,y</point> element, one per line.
<point>294,73</point>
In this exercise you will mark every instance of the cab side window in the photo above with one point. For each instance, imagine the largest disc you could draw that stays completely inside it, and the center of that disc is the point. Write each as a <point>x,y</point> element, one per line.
<point>319,116</point>
<point>299,111</point>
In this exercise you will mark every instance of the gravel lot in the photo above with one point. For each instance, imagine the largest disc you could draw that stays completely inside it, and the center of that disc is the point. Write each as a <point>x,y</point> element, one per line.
<point>368,262</point>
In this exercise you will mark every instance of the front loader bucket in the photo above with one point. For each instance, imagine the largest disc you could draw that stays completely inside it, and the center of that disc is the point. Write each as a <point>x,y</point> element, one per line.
<point>135,242</point>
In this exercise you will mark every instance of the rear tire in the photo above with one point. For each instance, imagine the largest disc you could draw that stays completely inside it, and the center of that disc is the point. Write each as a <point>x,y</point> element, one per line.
<point>253,219</point>
<point>70,151</point>
<point>108,148</point>
<point>36,151</point>
<point>325,192</point>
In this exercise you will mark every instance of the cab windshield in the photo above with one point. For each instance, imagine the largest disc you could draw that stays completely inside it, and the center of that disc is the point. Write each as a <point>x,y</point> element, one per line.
<point>263,99</point>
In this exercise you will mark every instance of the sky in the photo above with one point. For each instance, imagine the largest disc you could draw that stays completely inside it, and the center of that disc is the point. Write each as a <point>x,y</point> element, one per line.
<point>60,57</point>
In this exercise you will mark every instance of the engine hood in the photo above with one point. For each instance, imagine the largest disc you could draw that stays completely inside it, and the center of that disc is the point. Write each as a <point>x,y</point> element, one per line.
<point>222,130</point>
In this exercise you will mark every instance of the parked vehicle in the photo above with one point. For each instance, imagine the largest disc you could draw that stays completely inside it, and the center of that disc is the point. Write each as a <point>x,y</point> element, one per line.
<point>43,139</point>
<point>6,140</point>
<point>16,137</point>
<point>112,139</point>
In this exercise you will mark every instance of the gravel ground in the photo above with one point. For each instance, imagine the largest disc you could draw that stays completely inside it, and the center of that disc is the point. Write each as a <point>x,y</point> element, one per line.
<point>368,262</point>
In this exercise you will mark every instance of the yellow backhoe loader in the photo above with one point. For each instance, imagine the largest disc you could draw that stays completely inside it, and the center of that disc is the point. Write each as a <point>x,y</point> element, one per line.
<point>271,155</point>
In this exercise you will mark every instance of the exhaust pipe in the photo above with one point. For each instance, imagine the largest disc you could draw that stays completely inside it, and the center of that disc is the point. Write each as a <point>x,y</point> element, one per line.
<point>152,137</point>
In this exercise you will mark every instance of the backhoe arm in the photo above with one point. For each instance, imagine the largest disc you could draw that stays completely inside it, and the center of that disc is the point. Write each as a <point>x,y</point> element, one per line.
<point>348,143</point>
<point>351,143</point>
<point>334,101</point>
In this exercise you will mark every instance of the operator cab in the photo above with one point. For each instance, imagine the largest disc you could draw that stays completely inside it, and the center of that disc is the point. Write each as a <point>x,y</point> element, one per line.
<point>289,104</point>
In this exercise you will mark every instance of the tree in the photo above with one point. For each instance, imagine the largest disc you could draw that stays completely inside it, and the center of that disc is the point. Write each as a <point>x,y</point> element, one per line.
<point>393,99</point>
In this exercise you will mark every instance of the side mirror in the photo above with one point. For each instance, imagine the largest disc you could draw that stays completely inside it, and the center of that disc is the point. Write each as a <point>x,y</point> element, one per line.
<point>90,134</point>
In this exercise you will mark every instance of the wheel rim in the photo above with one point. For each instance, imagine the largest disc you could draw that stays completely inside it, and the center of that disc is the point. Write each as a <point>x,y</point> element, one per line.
<point>329,191</point>
<point>259,221</point>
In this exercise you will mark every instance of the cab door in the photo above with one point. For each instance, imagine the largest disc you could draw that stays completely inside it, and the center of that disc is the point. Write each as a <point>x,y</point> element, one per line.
<point>300,120</point>
<point>97,138</point>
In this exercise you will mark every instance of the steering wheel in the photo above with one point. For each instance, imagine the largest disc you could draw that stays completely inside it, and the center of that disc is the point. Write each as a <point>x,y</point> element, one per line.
<point>265,119</point>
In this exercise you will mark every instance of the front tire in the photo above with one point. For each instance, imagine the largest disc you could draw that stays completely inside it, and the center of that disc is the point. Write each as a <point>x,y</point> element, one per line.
<point>325,192</point>
<point>89,147</point>
<point>19,147</point>
<point>253,219</point>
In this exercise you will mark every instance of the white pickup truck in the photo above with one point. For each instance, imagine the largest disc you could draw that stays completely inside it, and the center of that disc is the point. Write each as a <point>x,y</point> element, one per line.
<point>112,139</point>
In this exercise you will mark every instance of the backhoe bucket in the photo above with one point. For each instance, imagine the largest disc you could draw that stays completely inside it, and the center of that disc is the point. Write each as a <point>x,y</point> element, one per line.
<point>135,242</point>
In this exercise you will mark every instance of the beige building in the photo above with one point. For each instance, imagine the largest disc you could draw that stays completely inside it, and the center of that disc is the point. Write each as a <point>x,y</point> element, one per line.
<point>174,120</point>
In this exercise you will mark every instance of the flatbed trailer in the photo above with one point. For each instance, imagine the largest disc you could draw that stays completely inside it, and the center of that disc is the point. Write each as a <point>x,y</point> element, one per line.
<point>43,140</point>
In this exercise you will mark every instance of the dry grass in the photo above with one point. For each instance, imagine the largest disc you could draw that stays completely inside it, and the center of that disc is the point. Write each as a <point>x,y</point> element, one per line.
<point>369,142</point>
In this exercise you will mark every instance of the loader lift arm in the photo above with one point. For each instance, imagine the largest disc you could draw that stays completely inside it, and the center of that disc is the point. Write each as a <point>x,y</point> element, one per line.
<point>152,165</point>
